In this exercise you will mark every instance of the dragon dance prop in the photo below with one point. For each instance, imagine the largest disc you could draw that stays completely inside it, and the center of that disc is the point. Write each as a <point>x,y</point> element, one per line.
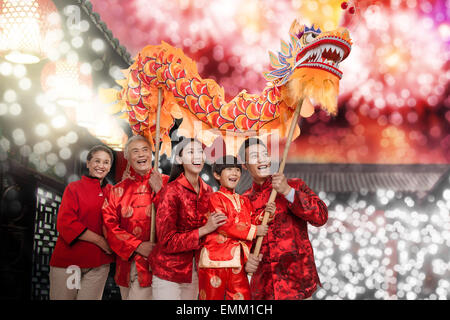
<point>305,73</point>
<point>321,51</point>
<point>308,66</point>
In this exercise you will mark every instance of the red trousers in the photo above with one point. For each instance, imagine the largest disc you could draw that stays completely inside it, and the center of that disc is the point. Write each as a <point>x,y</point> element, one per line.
<point>223,284</point>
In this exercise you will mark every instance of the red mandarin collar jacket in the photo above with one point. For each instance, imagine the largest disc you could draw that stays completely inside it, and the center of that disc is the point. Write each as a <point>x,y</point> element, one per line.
<point>80,210</point>
<point>287,270</point>
<point>222,248</point>
<point>180,213</point>
<point>127,219</point>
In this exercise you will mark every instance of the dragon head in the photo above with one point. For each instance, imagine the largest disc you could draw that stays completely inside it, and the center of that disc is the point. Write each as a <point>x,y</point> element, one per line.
<point>309,65</point>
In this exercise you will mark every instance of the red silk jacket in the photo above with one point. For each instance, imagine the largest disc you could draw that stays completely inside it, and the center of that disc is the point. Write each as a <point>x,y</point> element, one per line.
<point>127,219</point>
<point>222,248</point>
<point>180,213</point>
<point>80,210</point>
<point>287,270</point>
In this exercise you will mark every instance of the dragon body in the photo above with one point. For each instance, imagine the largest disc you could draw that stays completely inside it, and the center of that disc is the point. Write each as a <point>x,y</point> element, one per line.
<point>307,67</point>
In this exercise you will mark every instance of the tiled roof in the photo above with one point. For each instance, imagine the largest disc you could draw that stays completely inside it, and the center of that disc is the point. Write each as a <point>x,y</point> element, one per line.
<point>86,5</point>
<point>348,178</point>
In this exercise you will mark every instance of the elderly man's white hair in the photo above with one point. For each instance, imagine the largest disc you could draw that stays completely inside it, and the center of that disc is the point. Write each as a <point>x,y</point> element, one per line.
<point>132,139</point>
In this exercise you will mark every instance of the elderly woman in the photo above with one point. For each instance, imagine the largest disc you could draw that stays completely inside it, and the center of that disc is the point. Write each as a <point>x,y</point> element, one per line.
<point>79,265</point>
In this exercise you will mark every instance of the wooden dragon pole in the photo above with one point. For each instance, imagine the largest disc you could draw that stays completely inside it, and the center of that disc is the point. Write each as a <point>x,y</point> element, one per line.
<point>156,163</point>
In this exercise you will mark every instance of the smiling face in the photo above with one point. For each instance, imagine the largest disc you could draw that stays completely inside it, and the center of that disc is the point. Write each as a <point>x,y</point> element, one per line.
<point>140,156</point>
<point>258,162</point>
<point>192,158</point>
<point>99,165</point>
<point>229,177</point>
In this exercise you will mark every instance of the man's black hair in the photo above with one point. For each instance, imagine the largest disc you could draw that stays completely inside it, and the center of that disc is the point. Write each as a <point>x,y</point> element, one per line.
<point>246,144</point>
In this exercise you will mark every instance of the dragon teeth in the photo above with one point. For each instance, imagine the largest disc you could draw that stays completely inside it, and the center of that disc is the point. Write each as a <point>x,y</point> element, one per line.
<point>317,54</point>
<point>341,53</point>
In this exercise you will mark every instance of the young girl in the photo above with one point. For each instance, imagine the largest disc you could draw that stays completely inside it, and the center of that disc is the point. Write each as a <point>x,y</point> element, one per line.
<point>181,223</point>
<point>221,266</point>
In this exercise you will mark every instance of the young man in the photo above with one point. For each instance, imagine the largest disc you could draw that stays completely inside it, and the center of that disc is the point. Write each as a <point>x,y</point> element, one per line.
<point>127,220</point>
<point>287,270</point>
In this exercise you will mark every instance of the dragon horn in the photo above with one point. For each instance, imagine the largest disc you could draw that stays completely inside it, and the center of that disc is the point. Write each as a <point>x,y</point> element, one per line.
<point>295,28</point>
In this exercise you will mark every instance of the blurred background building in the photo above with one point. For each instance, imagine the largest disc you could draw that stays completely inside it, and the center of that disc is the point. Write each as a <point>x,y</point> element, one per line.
<point>381,165</point>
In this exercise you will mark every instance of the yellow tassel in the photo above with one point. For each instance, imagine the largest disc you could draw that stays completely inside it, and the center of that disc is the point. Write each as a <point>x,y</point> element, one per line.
<point>175,111</point>
<point>122,82</point>
<point>116,108</point>
<point>108,95</point>
<point>317,84</point>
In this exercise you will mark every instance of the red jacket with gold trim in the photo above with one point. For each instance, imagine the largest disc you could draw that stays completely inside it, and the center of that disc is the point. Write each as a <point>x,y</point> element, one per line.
<point>180,213</point>
<point>222,248</point>
<point>287,270</point>
<point>80,210</point>
<point>127,220</point>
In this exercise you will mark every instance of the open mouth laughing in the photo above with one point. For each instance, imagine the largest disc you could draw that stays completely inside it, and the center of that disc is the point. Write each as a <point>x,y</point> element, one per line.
<point>263,169</point>
<point>142,161</point>
<point>197,163</point>
<point>233,179</point>
<point>326,53</point>
<point>100,171</point>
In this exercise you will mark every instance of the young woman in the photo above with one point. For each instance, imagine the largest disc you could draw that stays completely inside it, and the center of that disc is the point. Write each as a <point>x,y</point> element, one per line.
<point>182,220</point>
<point>81,251</point>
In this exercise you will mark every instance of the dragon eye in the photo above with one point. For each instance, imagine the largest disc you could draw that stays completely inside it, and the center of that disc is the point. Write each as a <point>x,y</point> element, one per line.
<point>309,37</point>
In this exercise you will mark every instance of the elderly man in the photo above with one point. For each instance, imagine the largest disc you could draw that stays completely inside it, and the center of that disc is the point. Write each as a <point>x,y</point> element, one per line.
<point>127,219</point>
<point>287,269</point>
